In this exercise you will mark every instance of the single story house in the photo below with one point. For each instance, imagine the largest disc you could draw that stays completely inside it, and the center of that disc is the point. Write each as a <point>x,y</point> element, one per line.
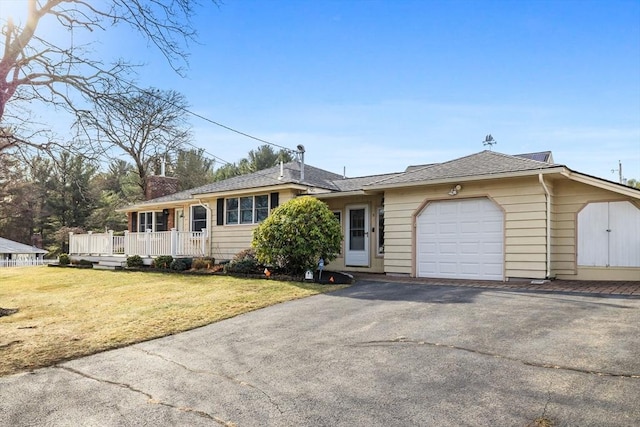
<point>486,216</point>
<point>14,253</point>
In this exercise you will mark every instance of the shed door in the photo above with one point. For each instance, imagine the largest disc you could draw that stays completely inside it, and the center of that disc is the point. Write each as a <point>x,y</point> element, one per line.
<point>609,235</point>
<point>461,239</point>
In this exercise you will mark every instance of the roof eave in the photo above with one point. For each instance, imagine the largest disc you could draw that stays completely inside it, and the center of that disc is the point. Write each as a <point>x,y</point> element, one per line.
<point>338,194</point>
<point>250,190</point>
<point>516,174</point>
<point>602,183</point>
<point>152,205</point>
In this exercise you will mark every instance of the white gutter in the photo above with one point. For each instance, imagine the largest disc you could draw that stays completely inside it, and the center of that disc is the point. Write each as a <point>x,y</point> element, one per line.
<point>547,197</point>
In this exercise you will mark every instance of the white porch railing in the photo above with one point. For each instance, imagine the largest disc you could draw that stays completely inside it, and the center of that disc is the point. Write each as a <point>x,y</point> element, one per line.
<point>25,262</point>
<point>149,243</point>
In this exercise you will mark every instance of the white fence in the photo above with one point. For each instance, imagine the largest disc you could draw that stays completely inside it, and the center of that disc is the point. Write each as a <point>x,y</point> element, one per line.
<point>149,243</point>
<point>26,262</point>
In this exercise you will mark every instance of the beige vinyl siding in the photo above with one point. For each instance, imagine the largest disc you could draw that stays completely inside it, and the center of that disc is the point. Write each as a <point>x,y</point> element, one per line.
<point>228,240</point>
<point>523,203</point>
<point>570,199</point>
<point>376,262</point>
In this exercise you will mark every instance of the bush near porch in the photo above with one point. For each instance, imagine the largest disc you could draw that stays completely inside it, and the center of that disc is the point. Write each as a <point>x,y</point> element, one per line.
<point>297,234</point>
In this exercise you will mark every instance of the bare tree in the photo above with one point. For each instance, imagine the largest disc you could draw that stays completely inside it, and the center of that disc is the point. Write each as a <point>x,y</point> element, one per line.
<point>146,125</point>
<point>34,68</point>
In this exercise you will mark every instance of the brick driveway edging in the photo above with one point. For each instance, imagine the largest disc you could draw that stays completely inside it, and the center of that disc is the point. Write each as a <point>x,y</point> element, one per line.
<point>628,288</point>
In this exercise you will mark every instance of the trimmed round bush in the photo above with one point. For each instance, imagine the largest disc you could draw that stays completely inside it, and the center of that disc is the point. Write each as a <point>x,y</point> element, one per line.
<point>297,234</point>
<point>178,265</point>
<point>163,262</point>
<point>64,259</point>
<point>134,261</point>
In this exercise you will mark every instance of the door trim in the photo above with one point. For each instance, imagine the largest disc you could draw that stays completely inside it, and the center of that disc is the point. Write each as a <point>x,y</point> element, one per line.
<point>357,258</point>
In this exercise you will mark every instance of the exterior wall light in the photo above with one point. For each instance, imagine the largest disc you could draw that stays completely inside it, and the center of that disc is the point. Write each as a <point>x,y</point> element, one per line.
<point>455,190</point>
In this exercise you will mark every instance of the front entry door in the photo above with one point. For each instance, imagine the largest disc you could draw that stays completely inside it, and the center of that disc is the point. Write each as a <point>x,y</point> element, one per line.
<point>357,238</point>
<point>179,219</point>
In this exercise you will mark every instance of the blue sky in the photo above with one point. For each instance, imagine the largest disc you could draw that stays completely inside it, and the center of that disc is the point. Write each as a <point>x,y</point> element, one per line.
<point>375,86</point>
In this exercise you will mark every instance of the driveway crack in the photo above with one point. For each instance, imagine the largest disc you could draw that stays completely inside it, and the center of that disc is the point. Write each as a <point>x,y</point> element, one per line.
<point>150,398</point>
<point>223,376</point>
<point>405,340</point>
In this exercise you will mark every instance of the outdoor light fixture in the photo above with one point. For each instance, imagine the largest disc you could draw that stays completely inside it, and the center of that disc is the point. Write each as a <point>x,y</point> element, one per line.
<point>455,190</point>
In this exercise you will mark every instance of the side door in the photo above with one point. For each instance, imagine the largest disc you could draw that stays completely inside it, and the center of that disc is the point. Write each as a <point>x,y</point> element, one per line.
<point>357,236</point>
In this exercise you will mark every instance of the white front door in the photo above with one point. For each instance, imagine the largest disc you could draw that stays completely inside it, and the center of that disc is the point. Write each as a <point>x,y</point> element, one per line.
<point>357,236</point>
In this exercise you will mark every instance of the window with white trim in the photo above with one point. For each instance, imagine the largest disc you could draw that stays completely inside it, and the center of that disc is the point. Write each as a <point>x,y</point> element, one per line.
<point>145,221</point>
<point>153,220</point>
<point>198,218</point>
<point>246,210</point>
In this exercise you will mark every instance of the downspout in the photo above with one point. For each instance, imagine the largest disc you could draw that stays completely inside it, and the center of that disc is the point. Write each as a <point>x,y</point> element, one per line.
<point>209,219</point>
<point>206,206</point>
<point>547,197</point>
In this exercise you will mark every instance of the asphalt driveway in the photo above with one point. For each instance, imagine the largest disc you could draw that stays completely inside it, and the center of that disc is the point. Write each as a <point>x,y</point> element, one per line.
<point>376,354</point>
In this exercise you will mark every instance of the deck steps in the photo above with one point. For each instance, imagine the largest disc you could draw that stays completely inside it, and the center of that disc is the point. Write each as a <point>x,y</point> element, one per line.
<point>109,265</point>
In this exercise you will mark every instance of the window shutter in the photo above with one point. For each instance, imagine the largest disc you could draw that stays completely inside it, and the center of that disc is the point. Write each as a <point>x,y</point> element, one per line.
<point>220,211</point>
<point>134,222</point>
<point>275,197</point>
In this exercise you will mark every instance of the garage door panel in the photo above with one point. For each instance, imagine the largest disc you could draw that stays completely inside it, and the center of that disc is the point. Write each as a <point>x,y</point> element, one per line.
<point>467,227</point>
<point>450,248</point>
<point>465,239</point>
<point>471,248</point>
<point>492,226</point>
<point>491,248</point>
<point>428,248</point>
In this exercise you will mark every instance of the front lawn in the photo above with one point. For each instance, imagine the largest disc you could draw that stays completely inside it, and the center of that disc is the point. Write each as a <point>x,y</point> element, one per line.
<point>65,313</point>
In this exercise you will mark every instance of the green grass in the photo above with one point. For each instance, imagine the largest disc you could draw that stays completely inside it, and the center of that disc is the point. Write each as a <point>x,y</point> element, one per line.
<point>66,313</point>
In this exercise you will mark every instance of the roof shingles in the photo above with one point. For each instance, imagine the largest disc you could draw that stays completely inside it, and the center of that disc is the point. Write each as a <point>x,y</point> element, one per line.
<point>479,164</point>
<point>483,163</point>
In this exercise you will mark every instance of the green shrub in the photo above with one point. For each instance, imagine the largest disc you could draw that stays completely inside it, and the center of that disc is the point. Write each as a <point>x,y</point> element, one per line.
<point>178,265</point>
<point>64,259</point>
<point>203,263</point>
<point>134,261</point>
<point>85,263</point>
<point>244,262</point>
<point>297,234</point>
<point>188,262</point>
<point>245,254</point>
<point>246,266</point>
<point>163,261</point>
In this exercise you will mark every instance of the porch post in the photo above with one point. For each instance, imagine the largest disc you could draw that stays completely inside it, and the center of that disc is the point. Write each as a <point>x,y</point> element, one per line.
<point>126,243</point>
<point>174,242</point>
<point>147,238</point>
<point>70,245</point>
<point>89,243</point>
<point>110,243</point>
<point>203,242</point>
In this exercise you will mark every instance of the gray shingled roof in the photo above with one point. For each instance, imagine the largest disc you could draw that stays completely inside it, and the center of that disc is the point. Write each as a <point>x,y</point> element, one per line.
<point>10,247</point>
<point>354,184</point>
<point>313,177</point>
<point>483,163</point>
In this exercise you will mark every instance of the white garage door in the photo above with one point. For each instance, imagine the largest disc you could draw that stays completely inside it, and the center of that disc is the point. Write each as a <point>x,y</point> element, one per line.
<point>461,239</point>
